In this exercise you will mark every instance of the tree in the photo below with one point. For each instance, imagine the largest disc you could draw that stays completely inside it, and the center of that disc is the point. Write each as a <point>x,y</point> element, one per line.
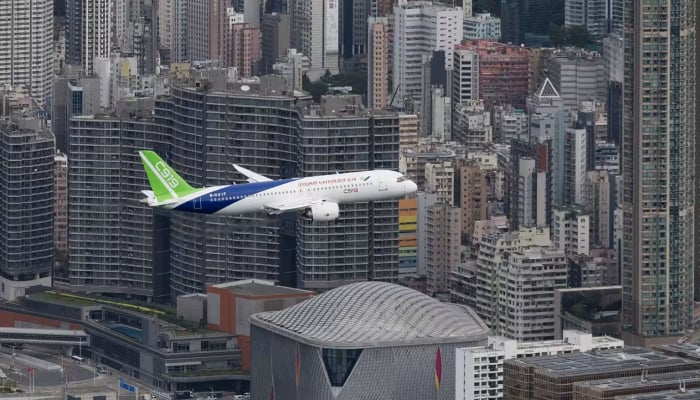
<point>489,6</point>
<point>316,89</point>
<point>557,35</point>
<point>576,35</point>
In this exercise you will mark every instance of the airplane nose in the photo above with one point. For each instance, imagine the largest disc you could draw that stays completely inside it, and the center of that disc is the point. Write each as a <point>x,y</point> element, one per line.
<point>409,187</point>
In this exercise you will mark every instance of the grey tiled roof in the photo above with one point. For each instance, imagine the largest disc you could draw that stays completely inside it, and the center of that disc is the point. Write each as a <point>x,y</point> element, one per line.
<point>374,314</point>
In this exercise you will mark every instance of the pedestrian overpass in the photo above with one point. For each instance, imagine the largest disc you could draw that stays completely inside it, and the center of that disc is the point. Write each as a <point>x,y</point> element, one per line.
<point>52,337</point>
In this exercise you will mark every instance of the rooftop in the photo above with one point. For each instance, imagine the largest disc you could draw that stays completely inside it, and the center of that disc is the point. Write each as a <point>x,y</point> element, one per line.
<point>257,287</point>
<point>650,381</point>
<point>608,361</point>
<point>685,350</point>
<point>692,394</point>
<point>374,314</point>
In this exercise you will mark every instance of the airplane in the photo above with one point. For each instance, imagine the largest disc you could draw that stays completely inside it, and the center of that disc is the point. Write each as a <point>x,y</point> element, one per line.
<point>317,198</point>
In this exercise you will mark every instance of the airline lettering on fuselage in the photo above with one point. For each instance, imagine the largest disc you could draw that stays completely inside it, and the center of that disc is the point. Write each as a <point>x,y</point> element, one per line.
<point>166,174</point>
<point>327,182</point>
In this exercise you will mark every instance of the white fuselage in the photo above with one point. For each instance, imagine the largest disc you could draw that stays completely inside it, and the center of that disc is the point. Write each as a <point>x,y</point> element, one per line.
<point>343,188</point>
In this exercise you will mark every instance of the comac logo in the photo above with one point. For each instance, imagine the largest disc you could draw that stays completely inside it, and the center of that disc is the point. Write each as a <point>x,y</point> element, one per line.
<point>167,174</point>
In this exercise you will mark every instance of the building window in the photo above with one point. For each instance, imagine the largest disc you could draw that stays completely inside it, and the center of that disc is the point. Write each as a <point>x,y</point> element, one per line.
<point>339,364</point>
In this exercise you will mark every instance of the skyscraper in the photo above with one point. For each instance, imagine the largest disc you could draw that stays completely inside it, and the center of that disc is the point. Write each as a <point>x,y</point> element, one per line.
<point>378,62</point>
<point>88,32</point>
<point>430,27</point>
<point>113,238</point>
<point>337,136</point>
<point>206,31</point>
<point>526,22</point>
<point>658,162</point>
<point>26,206</point>
<point>315,33</point>
<point>26,46</point>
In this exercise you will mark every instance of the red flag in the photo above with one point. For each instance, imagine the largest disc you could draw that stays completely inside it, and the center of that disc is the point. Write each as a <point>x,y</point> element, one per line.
<point>272,393</point>
<point>438,369</point>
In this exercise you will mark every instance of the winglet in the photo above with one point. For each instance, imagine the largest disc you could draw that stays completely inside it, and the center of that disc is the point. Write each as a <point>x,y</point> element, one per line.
<point>167,185</point>
<point>252,176</point>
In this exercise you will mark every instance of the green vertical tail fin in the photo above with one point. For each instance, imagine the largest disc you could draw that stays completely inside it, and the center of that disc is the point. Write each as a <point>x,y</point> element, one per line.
<point>165,182</point>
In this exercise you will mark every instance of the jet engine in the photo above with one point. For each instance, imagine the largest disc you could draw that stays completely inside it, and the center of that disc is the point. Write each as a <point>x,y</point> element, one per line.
<point>323,212</point>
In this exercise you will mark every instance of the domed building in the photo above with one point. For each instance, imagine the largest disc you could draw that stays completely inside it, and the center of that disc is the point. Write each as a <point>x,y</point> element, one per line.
<point>367,340</point>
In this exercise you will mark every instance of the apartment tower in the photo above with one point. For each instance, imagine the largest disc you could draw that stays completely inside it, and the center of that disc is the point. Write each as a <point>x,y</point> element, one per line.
<point>26,206</point>
<point>26,46</point>
<point>378,62</point>
<point>88,32</point>
<point>658,162</point>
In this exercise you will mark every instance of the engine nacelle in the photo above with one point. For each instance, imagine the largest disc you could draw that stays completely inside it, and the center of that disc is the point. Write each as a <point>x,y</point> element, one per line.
<point>323,212</point>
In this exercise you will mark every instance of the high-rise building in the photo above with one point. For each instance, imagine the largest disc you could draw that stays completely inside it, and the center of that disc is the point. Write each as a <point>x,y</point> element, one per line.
<point>208,250</point>
<point>503,70</point>
<point>658,170</point>
<point>493,252</point>
<point>471,195</point>
<point>117,245</point>
<point>243,49</point>
<point>591,14</point>
<point>571,230</point>
<point>472,125</point>
<point>353,34</point>
<point>465,77</point>
<point>339,135</point>
<point>431,27</point>
<point>60,207</point>
<point>178,31</point>
<point>613,61</point>
<point>165,11</point>
<point>408,236</point>
<point>142,32</point>
<point>408,131</point>
<point>575,151</point>
<point>528,279</point>
<point>120,20</point>
<point>315,33</point>
<point>379,46</point>
<point>443,245</point>
<point>599,202</point>
<point>526,22</point>
<point>578,75</point>
<point>482,26</point>
<point>547,124</point>
<point>439,179</point>
<point>26,206</point>
<point>206,29</point>
<point>509,123</point>
<point>26,47</point>
<point>599,17</point>
<point>276,34</point>
<point>89,31</point>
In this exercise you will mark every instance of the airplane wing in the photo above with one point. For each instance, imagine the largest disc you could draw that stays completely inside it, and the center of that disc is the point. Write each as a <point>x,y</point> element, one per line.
<point>252,176</point>
<point>279,207</point>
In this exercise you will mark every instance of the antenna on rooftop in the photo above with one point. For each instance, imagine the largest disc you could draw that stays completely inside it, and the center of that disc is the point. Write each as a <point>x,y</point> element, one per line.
<point>682,386</point>
<point>645,373</point>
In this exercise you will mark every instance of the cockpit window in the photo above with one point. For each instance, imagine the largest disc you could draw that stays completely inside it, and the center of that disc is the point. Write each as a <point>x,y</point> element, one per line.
<point>401,179</point>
